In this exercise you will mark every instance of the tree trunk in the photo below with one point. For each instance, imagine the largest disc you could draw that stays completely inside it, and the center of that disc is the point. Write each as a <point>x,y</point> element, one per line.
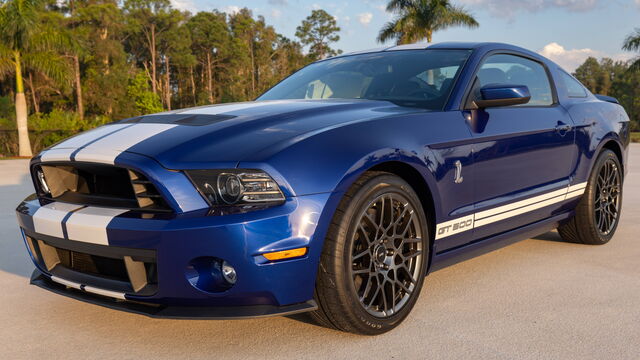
<point>152,47</point>
<point>76,69</point>
<point>167,77</point>
<point>34,97</point>
<point>209,78</point>
<point>24,146</point>
<point>253,71</point>
<point>429,36</point>
<point>104,34</point>
<point>193,85</point>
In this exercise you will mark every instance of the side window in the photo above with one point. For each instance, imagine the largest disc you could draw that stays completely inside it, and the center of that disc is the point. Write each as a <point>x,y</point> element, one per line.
<point>573,86</point>
<point>515,70</point>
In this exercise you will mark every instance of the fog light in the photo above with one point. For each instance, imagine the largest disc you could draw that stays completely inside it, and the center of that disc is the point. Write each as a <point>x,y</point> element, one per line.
<point>229,273</point>
<point>210,274</point>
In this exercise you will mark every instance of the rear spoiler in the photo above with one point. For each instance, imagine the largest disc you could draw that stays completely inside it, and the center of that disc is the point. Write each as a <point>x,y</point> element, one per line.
<point>608,99</point>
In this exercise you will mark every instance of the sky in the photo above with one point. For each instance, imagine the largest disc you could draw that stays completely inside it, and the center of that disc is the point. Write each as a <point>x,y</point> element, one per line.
<point>566,31</point>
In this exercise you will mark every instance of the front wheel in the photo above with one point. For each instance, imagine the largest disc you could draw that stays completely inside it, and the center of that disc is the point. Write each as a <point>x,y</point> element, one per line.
<point>598,212</point>
<point>375,257</point>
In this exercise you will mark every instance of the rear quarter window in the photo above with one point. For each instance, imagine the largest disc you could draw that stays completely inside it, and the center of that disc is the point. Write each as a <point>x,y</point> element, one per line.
<point>573,86</point>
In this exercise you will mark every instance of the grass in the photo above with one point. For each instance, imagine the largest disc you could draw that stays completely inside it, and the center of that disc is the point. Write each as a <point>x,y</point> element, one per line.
<point>635,137</point>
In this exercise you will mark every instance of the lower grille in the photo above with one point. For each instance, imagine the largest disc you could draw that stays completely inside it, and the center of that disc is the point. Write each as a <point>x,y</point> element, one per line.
<point>131,271</point>
<point>93,264</point>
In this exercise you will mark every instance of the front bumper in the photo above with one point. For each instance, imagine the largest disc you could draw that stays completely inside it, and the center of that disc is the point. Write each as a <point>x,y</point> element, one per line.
<point>172,312</point>
<point>172,242</point>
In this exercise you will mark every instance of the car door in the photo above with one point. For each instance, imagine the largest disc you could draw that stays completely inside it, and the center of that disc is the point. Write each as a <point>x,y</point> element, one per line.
<point>523,154</point>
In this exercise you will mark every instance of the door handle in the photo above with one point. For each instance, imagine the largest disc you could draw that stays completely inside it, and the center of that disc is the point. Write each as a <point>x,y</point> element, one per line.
<point>563,128</point>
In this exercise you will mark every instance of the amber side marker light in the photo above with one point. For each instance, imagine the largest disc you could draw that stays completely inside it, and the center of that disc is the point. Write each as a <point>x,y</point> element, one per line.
<point>285,254</point>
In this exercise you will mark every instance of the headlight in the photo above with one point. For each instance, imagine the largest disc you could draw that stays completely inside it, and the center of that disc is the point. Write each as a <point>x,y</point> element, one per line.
<point>236,187</point>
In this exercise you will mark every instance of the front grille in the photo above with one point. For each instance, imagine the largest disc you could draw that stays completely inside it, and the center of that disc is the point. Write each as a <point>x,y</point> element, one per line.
<point>98,184</point>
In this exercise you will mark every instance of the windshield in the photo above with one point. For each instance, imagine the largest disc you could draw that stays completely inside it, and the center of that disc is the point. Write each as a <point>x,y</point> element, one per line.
<point>421,78</point>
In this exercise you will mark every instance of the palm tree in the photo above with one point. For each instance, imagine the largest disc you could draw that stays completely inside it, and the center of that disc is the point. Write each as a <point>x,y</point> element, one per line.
<point>632,43</point>
<point>419,19</point>
<point>26,42</point>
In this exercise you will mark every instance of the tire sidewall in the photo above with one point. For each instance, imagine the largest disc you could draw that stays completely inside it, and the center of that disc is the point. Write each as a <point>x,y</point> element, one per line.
<point>372,189</point>
<point>589,196</point>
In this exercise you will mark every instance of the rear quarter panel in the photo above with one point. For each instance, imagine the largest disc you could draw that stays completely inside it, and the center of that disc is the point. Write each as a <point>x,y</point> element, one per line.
<point>597,123</point>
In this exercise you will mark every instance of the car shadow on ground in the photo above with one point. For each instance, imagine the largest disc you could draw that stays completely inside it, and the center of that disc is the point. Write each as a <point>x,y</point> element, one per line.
<point>549,236</point>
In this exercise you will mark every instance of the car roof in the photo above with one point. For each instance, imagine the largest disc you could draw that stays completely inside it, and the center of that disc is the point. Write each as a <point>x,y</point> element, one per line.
<point>486,46</point>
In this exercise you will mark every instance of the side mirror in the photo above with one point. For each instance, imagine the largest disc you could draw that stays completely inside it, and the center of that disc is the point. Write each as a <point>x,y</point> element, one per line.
<point>493,95</point>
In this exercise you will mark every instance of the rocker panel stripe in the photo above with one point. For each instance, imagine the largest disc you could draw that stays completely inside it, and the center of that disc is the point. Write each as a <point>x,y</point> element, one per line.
<point>500,213</point>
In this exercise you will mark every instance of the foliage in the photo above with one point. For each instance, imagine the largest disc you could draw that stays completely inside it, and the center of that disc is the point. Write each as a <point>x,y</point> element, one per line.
<point>632,43</point>
<point>419,19</point>
<point>145,100</point>
<point>613,78</point>
<point>318,31</point>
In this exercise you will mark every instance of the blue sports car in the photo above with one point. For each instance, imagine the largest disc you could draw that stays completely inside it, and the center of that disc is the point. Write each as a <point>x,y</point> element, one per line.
<point>335,192</point>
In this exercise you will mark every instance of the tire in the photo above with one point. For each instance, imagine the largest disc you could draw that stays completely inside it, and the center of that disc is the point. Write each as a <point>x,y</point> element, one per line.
<point>598,212</point>
<point>359,257</point>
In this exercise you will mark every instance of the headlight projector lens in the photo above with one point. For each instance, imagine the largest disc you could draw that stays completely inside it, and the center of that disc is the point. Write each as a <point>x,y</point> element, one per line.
<point>230,188</point>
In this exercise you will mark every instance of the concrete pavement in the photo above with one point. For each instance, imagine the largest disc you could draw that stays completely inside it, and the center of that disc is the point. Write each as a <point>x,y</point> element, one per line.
<point>540,298</point>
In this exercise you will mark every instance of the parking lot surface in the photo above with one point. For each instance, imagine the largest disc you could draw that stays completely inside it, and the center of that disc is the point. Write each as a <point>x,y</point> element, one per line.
<point>538,299</point>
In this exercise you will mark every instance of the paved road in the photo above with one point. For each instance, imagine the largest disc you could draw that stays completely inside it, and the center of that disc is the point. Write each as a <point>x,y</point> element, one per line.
<point>538,299</point>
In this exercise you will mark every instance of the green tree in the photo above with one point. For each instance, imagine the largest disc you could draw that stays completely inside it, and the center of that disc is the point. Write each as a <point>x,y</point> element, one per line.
<point>105,68</point>
<point>25,42</point>
<point>174,46</point>
<point>210,43</point>
<point>146,101</point>
<point>590,74</point>
<point>317,32</point>
<point>632,43</point>
<point>419,19</point>
<point>613,78</point>
<point>147,20</point>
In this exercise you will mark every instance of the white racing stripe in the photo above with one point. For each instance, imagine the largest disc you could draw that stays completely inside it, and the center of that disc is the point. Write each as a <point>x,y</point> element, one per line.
<point>90,224</point>
<point>490,216</point>
<point>56,155</point>
<point>47,219</point>
<point>108,148</point>
<point>63,150</point>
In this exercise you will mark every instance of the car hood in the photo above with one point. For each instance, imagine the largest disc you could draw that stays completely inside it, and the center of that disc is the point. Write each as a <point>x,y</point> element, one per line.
<point>198,137</point>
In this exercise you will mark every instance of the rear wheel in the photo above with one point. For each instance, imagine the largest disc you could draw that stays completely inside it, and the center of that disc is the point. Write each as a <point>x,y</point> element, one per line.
<point>598,212</point>
<point>375,257</point>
